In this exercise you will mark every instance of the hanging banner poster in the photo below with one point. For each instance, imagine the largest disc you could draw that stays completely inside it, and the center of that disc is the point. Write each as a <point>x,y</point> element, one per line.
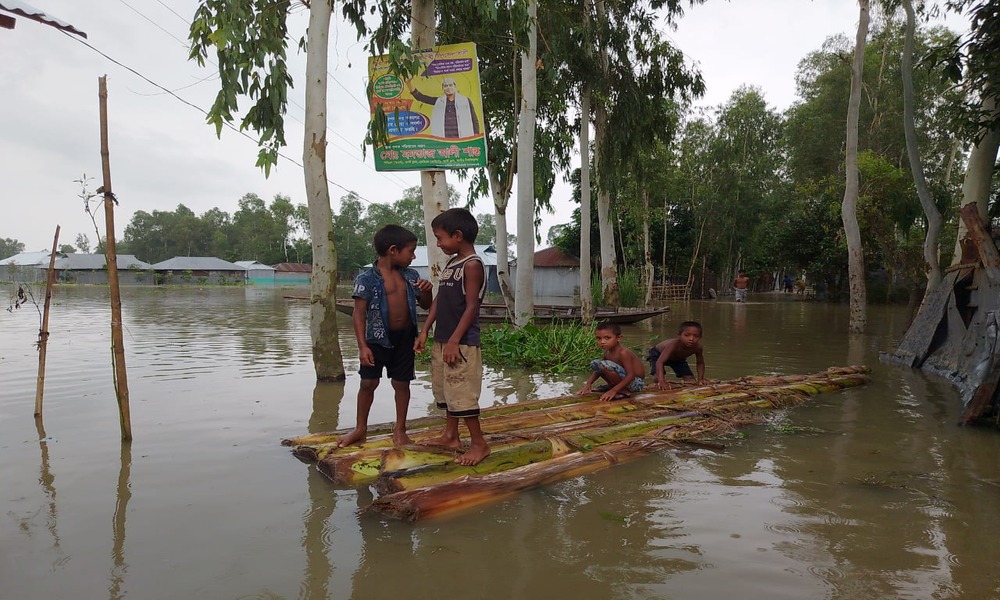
<point>435,120</point>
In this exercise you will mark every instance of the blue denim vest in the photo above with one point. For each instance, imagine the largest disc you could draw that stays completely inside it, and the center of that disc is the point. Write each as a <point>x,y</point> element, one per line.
<point>369,285</point>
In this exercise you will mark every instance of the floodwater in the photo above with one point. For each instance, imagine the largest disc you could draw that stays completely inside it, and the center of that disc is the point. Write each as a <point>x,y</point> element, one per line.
<point>873,492</point>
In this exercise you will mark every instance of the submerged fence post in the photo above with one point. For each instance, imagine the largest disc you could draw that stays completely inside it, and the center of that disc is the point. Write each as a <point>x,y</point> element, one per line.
<point>111,256</point>
<point>43,331</point>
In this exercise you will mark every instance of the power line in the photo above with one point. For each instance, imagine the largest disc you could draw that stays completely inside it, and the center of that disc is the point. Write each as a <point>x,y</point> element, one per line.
<point>204,112</point>
<point>399,182</point>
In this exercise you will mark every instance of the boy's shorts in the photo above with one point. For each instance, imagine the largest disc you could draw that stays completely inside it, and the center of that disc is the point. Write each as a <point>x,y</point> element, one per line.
<point>397,361</point>
<point>457,387</point>
<point>680,367</point>
<point>597,366</point>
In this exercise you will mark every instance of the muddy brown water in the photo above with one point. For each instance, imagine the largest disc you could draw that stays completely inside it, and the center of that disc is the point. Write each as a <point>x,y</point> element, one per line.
<point>873,492</point>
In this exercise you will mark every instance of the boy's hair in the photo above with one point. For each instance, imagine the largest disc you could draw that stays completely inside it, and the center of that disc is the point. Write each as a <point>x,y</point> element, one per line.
<point>457,219</point>
<point>392,235</point>
<point>614,328</point>
<point>687,324</point>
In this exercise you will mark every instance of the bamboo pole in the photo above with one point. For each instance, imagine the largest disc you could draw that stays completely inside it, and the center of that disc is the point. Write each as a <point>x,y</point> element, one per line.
<point>111,256</point>
<point>43,332</point>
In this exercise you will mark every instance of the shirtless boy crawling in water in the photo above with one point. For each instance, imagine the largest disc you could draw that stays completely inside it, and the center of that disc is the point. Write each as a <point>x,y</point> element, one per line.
<point>674,353</point>
<point>619,367</point>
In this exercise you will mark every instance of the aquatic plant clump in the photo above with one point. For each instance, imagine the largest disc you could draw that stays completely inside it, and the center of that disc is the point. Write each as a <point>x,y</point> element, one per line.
<point>557,348</point>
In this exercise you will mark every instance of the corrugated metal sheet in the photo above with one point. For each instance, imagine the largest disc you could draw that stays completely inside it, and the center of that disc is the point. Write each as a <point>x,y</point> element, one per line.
<point>30,12</point>
<point>82,261</point>
<point>253,265</point>
<point>293,268</point>
<point>554,257</point>
<point>196,263</point>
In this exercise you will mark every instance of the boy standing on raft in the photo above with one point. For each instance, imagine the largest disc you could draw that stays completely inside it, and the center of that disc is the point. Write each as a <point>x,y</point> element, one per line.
<point>385,325</point>
<point>456,359</point>
<point>674,352</point>
<point>619,366</point>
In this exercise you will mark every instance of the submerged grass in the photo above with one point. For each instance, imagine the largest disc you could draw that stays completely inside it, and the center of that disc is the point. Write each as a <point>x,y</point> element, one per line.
<point>556,348</point>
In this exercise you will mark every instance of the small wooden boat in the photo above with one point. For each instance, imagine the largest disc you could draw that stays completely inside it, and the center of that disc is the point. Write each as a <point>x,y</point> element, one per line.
<point>547,313</point>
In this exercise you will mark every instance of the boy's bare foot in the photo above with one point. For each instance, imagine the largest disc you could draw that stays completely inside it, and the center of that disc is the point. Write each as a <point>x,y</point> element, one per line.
<point>357,436</point>
<point>444,442</point>
<point>399,438</point>
<point>474,456</point>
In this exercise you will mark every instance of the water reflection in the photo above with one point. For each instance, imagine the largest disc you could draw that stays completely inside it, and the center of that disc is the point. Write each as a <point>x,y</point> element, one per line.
<point>47,480</point>
<point>317,522</point>
<point>122,497</point>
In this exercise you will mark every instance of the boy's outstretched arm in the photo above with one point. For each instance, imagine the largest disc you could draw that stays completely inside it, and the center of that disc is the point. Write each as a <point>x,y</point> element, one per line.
<point>424,297</point>
<point>588,385</point>
<point>661,361</point>
<point>421,341</point>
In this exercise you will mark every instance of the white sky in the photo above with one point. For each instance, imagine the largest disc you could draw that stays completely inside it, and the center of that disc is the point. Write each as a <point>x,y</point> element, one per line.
<point>163,154</point>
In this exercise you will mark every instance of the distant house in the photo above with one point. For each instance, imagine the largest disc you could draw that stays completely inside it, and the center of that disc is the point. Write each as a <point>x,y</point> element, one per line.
<point>198,269</point>
<point>557,274</point>
<point>257,272</point>
<point>487,252</point>
<point>92,269</point>
<point>23,267</point>
<point>292,274</point>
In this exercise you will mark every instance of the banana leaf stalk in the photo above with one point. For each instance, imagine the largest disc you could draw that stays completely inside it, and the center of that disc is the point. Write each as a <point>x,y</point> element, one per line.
<point>584,414</point>
<point>445,494</point>
<point>468,492</point>
<point>685,390</point>
<point>399,477</point>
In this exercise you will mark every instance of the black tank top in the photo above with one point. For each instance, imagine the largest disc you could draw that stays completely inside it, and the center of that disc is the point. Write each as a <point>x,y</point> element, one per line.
<point>451,301</point>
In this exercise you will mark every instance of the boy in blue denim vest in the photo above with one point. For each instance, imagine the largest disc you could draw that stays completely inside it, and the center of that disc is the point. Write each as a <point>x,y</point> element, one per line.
<point>385,325</point>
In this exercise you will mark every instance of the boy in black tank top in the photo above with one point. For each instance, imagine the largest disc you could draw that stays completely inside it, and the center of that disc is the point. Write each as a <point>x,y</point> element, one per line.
<point>456,360</point>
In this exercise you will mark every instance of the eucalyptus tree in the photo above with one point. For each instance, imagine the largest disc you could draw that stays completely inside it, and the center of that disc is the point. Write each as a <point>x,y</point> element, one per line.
<point>250,41</point>
<point>975,60</point>
<point>10,246</point>
<point>636,70</point>
<point>524,299</point>
<point>855,252</point>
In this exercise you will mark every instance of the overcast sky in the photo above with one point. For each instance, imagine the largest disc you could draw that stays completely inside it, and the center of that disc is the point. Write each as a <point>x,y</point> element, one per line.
<point>163,154</point>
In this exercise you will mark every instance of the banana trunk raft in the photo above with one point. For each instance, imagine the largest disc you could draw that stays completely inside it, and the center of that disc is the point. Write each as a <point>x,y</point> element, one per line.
<point>544,441</point>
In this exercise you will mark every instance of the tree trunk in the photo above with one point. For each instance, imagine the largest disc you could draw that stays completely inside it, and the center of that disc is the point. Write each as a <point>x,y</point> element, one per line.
<point>433,184</point>
<point>328,360</point>
<point>848,212</point>
<point>979,174</point>
<point>586,101</point>
<point>933,215</point>
<point>501,197</point>
<point>609,262</point>
<point>524,297</point>
<point>648,271</point>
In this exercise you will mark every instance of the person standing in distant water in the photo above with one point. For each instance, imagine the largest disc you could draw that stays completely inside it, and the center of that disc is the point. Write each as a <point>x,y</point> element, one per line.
<point>453,116</point>
<point>740,286</point>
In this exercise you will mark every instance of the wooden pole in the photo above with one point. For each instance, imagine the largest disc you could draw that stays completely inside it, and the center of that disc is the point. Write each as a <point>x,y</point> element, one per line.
<point>111,256</point>
<point>43,332</point>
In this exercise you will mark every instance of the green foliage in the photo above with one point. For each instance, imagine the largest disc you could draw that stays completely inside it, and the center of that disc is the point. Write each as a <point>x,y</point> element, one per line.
<point>9,247</point>
<point>557,348</point>
<point>249,38</point>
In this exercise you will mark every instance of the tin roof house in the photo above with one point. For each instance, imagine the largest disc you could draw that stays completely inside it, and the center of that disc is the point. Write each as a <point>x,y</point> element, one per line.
<point>557,274</point>
<point>92,269</point>
<point>199,270</point>
<point>257,272</point>
<point>292,273</point>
